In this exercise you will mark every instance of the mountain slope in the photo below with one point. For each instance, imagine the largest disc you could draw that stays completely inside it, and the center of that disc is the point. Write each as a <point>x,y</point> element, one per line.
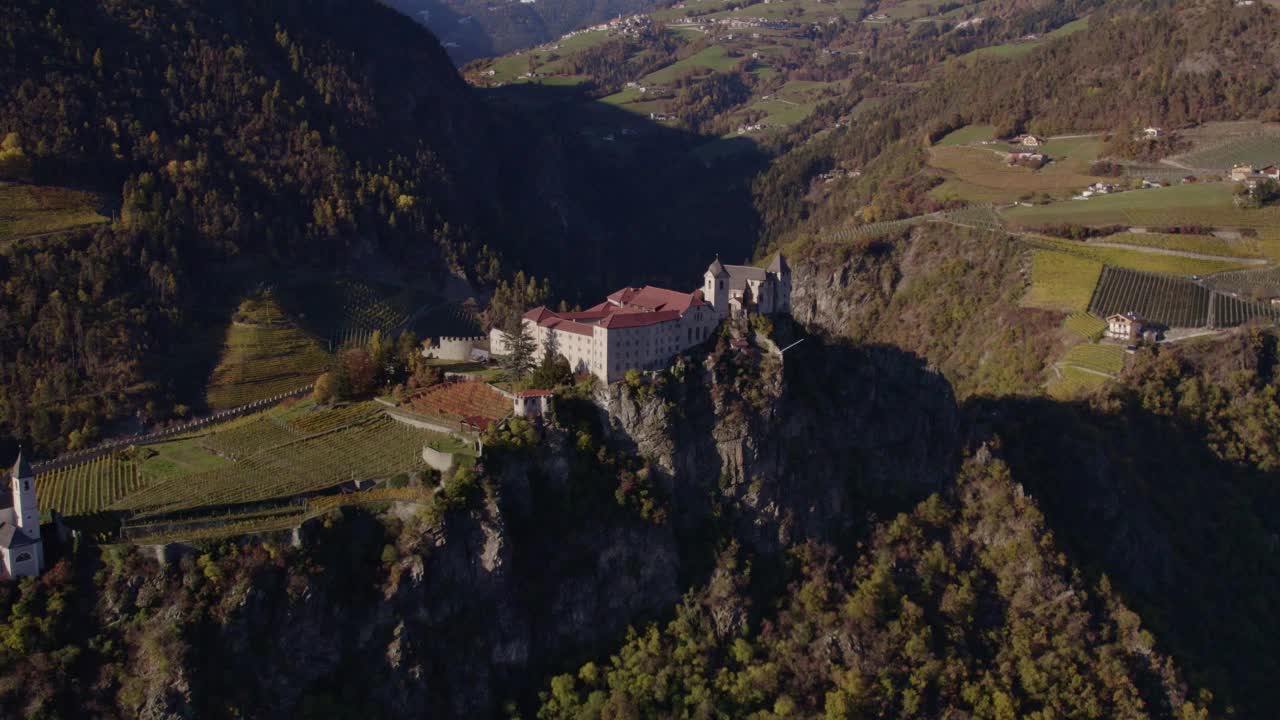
<point>240,144</point>
<point>473,29</point>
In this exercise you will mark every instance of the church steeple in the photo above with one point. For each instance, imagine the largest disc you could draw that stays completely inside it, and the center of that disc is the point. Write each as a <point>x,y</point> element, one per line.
<point>25,508</point>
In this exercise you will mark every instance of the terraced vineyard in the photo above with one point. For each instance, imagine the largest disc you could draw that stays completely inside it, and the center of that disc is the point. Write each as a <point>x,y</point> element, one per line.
<point>89,487</point>
<point>264,355</point>
<point>1230,311</point>
<point>373,447</point>
<point>1085,326</point>
<point>871,230</point>
<point>325,420</point>
<point>250,438</point>
<point>1249,283</point>
<point>457,401</point>
<point>448,320</point>
<point>348,311</point>
<point>1061,281</point>
<point>1168,300</point>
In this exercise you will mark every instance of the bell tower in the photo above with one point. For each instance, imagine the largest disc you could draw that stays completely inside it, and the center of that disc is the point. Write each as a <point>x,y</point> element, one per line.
<point>26,510</point>
<point>715,287</point>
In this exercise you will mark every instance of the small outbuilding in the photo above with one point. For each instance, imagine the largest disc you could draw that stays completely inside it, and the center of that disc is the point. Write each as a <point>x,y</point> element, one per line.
<point>532,403</point>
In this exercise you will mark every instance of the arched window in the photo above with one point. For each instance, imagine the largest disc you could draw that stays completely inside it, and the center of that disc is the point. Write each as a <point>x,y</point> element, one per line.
<point>22,557</point>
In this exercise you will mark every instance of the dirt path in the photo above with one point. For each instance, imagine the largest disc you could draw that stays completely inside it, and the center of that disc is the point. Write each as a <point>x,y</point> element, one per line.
<point>1178,253</point>
<point>1085,370</point>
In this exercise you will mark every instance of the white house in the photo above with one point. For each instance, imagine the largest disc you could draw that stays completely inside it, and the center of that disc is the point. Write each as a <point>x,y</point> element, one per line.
<point>645,328</point>
<point>1240,173</point>
<point>1125,326</point>
<point>21,550</point>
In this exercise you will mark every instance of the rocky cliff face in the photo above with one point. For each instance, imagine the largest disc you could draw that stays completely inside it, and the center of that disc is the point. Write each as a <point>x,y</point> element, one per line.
<point>795,447</point>
<point>548,564</point>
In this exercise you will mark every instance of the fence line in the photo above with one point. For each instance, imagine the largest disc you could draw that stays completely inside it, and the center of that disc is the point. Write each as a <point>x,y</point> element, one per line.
<point>78,456</point>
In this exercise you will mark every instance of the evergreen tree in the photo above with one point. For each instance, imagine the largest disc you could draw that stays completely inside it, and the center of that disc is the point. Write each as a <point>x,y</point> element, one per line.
<point>519,359</point>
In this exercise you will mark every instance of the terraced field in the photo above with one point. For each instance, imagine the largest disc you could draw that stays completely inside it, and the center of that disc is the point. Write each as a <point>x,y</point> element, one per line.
<point>1202,244</point>
<point>457,401</point>
<point>1142,260</point>
<point>1171,301</point>
<point>1263,283</point>
<point>347,311</point>
<point>34,210</point>
<point>1099,357</point>
<point>261,361</point>
<point>370,448</point>
<point>89,487</point>
<point>1061,281</point>
<point>1085,326</point>
<point>1231,311</point>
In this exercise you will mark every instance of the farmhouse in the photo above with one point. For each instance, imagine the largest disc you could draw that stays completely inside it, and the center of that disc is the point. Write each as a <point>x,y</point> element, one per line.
<point>645,328</point>
<point>1125,326</point>
<point>1029,140</point>
<point>21,550</point>
<point>1240,173</point>
<point>1271,171</point>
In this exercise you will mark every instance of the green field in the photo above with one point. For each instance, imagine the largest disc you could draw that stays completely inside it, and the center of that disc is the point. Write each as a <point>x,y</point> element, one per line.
<point>1144,261</point>
<point>177,458</point>
<point>27,210</point>
<point>712,58</point>
<point>1061,281</point>
<point>968,135</point>
<point>981,174</point>
<point>264,354</point>
<point>1070,383</point>
<point>1098,357</point>
<point>1019,48</point>
<point>1202,244</point>
<point>1259,150</point>
<point>1207,204</point>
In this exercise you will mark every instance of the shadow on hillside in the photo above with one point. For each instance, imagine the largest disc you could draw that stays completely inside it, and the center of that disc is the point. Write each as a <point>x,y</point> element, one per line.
<point>1187,539</point>
<point>612,198</point>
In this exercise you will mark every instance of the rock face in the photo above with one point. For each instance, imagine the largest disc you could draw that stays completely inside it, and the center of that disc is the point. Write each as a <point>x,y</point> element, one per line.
<point>451,616</point>
<point>797,447</point>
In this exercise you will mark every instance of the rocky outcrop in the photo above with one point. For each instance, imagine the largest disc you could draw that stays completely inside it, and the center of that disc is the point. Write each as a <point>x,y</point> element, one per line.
<point>797,446</point>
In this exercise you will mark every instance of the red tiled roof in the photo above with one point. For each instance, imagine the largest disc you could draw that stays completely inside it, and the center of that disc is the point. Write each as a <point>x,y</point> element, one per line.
<point>534,393</point>
<point>538,314</point>
<point>576,328</point>
<point>641,319</point>
<point>655,298</point>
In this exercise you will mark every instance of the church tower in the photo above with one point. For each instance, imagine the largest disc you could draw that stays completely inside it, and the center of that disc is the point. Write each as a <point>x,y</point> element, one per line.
<point>21,551</point>
<point>25,509</point>
<point>781,273</point>
<point>715,287</point>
